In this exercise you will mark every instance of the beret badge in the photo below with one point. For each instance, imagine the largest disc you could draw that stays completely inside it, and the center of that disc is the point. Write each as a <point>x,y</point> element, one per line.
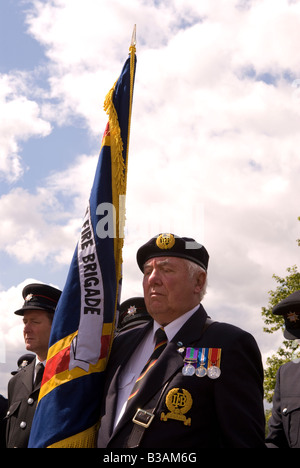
<point>165,241</point>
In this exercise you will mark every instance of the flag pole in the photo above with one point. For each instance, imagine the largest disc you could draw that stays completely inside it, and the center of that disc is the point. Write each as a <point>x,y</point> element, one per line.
<point>133,37</point>
<point>83,326</point>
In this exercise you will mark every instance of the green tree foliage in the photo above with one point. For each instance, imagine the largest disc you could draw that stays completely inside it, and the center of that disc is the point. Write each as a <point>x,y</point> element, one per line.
<point>289,349</point>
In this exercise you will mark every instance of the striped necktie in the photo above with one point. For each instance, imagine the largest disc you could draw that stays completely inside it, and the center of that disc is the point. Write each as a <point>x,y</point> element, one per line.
<point>161,341</point>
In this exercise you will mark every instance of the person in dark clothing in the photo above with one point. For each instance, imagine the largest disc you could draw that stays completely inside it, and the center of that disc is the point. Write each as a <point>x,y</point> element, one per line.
<point>203,384</point>
<point>3,411</point>
<point>23,388</point>
<point>284,422</point>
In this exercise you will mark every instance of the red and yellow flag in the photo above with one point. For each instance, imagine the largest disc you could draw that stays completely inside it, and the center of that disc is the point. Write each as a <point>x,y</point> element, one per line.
<point>67,413</point>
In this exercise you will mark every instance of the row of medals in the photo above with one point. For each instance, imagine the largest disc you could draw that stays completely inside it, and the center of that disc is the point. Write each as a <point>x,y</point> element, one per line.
<point>190,368</point>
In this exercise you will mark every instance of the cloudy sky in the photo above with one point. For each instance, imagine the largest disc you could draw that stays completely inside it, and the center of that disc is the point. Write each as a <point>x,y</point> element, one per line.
<point>214,148</point>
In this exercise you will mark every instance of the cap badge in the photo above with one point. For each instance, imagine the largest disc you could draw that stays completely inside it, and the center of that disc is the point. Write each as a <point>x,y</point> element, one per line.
<point>131,310</point>
<point>178,401</point>
<point>28,297</point>
<point>292,317</point>
<point>165,241</point>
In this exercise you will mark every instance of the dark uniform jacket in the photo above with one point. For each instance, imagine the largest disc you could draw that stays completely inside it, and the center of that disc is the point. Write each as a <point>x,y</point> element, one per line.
<point>22,400</point>
<point>223,412</point>
<point>284,424</point>
<point>3,410</point>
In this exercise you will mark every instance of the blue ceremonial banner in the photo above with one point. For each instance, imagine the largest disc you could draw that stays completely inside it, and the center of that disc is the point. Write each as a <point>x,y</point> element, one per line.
<point>67,413</point>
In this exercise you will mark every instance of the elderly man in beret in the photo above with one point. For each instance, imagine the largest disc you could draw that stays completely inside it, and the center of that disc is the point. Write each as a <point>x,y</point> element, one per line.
<point>284,422</point>
<point>23,389</point>
<point>200,384</point>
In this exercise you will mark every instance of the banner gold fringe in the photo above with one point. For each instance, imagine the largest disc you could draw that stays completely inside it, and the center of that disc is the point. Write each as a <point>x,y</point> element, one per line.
<point>118,166</point>
<point>85,439</point>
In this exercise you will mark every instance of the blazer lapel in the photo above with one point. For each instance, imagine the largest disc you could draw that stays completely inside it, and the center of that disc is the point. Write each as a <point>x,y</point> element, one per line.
<point>27,376</point>
<point>192,329</point>
<point>118,361</point>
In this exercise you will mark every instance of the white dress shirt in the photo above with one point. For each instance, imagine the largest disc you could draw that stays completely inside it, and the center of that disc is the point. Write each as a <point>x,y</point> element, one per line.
<point>137,361</point>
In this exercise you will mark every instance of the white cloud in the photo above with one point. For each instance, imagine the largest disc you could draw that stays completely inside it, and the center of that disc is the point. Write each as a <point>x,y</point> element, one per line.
<point>270,35</point>
<point>20,120</point>
<point>214,142</point>
<point>27,233</point>
<point>36,226</point>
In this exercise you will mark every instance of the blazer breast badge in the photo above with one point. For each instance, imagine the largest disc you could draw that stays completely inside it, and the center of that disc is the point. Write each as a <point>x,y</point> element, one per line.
<point>178,401</point>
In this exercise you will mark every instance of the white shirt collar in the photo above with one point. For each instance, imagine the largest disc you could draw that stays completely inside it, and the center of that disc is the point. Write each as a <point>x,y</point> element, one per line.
<point>37,361</point>
<point>173,327</point>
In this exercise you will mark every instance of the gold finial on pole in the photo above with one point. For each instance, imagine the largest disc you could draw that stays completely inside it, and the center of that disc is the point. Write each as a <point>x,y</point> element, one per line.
<point>133,37</point>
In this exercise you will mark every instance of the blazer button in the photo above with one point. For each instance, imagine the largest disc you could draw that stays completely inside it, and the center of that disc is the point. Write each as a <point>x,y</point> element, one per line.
<point>30,401</point>
<point>284,411</point>
<point>23,425</point>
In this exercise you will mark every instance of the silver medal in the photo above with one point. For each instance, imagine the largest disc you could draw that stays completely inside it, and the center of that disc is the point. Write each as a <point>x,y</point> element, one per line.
<point>214,372</point>
<point>188,370</point>
<point>201,371</point>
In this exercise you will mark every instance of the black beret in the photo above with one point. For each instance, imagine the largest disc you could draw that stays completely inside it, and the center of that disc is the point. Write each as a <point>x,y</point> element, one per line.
<point>133,312</point>
<point>39,297</point>
<point>170,245</point>
<point>23,361</point>
<point>290,309</point>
